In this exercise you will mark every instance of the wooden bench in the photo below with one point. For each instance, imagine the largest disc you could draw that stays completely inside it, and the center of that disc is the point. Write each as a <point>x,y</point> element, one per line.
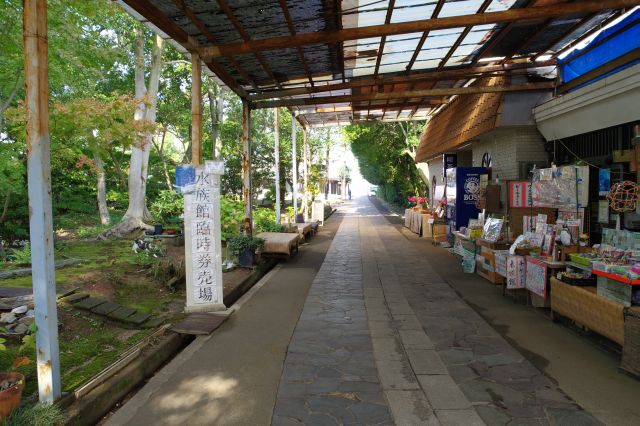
<point>279,243</point>
<point>305,229</point>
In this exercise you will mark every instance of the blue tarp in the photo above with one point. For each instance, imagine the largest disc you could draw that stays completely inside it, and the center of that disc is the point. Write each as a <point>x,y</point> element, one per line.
<point>610,44</point>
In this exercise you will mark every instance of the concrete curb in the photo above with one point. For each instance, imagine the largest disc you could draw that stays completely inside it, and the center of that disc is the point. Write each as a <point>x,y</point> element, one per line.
<point>93,406</point>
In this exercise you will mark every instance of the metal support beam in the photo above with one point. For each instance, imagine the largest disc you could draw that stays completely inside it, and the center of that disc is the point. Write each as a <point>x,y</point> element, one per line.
<point>276,155</point>
<point>246,167</point>
<point>464,73</point>
<point>196,110</point>
<point>445,91</point>
<point>40,214</point>
<point>294,164</point>
<point>505,16</point>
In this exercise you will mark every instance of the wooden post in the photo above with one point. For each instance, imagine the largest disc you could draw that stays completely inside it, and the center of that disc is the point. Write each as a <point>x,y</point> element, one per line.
<point>276,155</point>
<point>305,171</point>
<point>246,167</point>
<point>196,109</point>
<point>40,214</point>
<point>294,164</point>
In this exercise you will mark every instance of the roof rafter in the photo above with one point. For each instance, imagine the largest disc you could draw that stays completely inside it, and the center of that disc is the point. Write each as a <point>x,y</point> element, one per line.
<point>510,15</point>
<point>154,15</point>
<point>516,67</point>
<point>405,94</point>
<point>245,36</point>
<point>292,29</point>
<point>180,4</point>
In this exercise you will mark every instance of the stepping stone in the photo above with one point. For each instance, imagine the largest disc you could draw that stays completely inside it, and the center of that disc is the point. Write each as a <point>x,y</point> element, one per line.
<point>138,318</point>
<point>121,313</point>
<point>75,297</point>
<point>89,303</point>
<point>105,308</point>
<point>153,323</point>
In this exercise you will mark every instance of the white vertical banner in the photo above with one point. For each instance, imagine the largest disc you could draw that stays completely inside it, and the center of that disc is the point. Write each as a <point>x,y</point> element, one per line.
<point>203,250</point>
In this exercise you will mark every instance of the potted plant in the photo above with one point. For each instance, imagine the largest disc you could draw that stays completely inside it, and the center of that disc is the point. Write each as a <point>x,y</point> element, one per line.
<point>245,246</point>
<point>11,382</point>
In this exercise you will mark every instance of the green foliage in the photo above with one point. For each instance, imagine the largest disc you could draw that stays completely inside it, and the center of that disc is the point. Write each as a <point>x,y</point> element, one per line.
<point>385,154</point>
<point>22,256</point>
<point>264,220</point>
<point>231,216</point>
<point>36,415</point>
<point>168,206</point>
<point>241,242</point>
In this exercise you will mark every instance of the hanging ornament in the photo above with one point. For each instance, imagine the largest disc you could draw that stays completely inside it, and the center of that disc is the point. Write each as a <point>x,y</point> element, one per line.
<point>623,196</point>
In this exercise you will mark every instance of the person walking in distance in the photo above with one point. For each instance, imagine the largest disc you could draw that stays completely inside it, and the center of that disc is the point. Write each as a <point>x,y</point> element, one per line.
<point>349,192</point>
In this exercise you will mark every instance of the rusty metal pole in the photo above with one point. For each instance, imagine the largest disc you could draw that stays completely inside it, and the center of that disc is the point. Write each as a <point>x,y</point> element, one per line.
<point>246,167</point>
<point>196,109</point>
<point>276,154</point>
<point>294,164</point>
<point>40,217</point>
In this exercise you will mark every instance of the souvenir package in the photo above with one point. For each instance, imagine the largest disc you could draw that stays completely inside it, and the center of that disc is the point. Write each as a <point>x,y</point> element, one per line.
<point>492,229</point>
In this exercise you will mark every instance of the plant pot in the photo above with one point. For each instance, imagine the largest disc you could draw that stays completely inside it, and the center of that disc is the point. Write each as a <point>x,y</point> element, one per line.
<point>157,229</point>
<point>247,257</point>
<point>10,398</point>
<point>170,231</point>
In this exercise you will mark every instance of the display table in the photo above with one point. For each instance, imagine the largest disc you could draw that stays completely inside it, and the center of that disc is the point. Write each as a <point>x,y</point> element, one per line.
<point>615,287</point>
<point>486,260</point>
<point>584,306</point>
<point>414,220</point>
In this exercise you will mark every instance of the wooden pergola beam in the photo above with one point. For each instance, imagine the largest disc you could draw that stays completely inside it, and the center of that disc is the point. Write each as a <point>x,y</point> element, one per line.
<point>167,25</point>
<point>245,36</point>
<point>292,29</point>
<point>475,72</point>
<point>404,94</point>
<point>323,37</point>
<point>423,38</point>
<point>212,39</point>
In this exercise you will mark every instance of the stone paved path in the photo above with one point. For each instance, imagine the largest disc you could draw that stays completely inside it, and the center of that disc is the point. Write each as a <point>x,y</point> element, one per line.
<point>382,339</point>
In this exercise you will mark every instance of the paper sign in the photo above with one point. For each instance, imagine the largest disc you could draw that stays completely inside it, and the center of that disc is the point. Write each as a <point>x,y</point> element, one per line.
<point>536,273</point>
<point>520,194</point>
<point>214,167</point>
<point>604,181</point>
<point>603,211</point>
<point>515,272</point>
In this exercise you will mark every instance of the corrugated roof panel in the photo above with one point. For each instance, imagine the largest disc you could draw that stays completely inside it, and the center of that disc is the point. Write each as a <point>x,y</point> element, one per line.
<point>410,10</point>
<point>423,65</point>
<point>461,7</point>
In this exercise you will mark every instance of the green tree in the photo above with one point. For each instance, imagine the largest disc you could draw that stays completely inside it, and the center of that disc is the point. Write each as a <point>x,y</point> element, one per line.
<point>385,154</point>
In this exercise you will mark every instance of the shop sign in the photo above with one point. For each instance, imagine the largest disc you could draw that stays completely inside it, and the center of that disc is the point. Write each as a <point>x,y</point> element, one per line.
<point>449,161</point>
<point>520,194</point>
<point>536,274</point>
<point>515,272</point>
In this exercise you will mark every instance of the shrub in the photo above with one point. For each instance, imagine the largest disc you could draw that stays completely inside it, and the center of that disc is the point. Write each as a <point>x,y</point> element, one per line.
<point>264,220</point>
<point>168,206</point>
<point>241,242</point>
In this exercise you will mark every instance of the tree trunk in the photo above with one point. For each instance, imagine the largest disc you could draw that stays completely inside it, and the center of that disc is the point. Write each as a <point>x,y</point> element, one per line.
<point>160,150</point>
<point>137,211</point>
<point>4,104</point>
<point>116,163</point>
<point>305,173</point>
<point>7,203</point>
<point>101,189</point>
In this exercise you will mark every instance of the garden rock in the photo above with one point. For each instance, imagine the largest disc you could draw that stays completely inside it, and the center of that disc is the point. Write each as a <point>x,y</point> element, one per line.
<point>30,314</point>
<point>7,318</point>
<point>20,309</point>
<point>26,320</point>
<point>20,329</point>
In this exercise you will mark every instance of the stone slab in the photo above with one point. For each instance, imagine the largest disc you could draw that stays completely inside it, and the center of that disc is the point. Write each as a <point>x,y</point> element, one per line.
<point>121,313</point>
<point>415,339</point>
<point>89,303</point>
<point>443,393</point>
<point>153,323</point>
<point>76,297</point>
<point>137,318</point>
<point>467,417</point>
<point>410,408</point>
<point>396,375</point>
<point>105,308</point>
<point>426,361</point>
